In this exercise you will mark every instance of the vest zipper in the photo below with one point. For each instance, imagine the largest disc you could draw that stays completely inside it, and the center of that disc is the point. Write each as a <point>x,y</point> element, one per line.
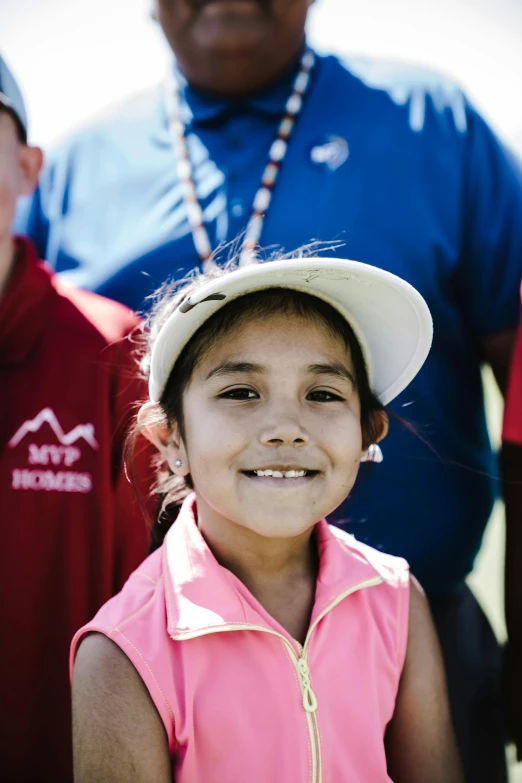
<point>300,662</point>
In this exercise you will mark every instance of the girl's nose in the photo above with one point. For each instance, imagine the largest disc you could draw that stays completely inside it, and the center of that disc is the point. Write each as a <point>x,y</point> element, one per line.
<point>283,429</point>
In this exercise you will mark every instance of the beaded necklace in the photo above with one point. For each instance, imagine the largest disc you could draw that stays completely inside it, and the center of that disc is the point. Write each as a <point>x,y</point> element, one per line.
<point>276,156</point>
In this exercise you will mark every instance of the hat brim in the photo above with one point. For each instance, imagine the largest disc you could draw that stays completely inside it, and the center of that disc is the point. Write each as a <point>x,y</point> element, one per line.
<point>389,317</point>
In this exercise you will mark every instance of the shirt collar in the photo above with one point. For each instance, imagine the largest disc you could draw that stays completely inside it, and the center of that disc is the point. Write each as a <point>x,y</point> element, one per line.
<point>24,305</point>
<point>200,108</point>
<point>202,596</point>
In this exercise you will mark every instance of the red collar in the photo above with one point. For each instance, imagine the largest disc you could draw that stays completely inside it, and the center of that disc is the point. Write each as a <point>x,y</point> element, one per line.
<point>25,305</point>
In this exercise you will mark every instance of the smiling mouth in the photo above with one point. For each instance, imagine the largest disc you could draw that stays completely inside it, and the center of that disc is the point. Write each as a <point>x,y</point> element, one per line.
<point>294,473</point>
<point>202,3</point>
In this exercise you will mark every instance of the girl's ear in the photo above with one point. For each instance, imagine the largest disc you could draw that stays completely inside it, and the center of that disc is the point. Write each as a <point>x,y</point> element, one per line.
<point>177,456</point>
<point>168,441</point>
<point>382,425</point>
<point>31,159</point>
<point>377,429</point>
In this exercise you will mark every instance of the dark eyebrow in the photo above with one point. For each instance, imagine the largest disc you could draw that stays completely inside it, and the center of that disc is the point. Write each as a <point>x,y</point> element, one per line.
<point>337,369</point>
<point>231,368</point>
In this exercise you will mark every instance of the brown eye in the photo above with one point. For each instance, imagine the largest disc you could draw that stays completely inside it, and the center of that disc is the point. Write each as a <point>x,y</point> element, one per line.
<point>323,396</point>
<point>239,394</point>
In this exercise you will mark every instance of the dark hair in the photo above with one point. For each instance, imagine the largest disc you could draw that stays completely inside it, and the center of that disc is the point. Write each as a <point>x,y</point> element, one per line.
<point>273,301</point>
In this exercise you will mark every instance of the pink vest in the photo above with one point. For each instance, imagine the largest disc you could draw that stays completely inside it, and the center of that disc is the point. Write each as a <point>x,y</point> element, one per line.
<point>239,697</point>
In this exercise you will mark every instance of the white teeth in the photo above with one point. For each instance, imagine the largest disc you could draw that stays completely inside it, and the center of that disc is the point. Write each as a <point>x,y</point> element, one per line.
<point>279,474</point>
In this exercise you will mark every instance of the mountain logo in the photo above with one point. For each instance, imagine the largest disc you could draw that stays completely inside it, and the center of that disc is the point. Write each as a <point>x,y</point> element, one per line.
<point>47,415</point>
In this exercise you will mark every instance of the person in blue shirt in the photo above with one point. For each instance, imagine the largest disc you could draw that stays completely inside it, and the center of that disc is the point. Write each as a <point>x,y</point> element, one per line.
<point>252,136</point>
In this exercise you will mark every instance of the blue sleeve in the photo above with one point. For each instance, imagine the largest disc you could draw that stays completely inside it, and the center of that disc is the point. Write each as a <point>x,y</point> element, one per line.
<point>491,266</point>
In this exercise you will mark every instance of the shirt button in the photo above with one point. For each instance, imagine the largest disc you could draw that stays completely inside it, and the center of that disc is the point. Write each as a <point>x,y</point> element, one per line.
<point>236,207</point>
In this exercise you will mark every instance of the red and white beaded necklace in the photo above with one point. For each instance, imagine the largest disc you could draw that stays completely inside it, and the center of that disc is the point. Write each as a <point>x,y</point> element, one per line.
<point>275,158</point>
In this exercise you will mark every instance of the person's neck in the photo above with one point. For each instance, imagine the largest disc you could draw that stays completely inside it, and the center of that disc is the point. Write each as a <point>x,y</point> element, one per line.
<point>237,78</point>
<point>7,261</point>
<point>259,561</point>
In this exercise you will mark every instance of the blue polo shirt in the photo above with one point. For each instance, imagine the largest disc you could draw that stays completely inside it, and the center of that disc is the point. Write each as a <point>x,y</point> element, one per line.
<point>397,170</point>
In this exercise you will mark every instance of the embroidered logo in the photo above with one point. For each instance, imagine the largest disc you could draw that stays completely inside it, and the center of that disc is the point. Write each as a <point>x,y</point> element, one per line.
<point>331,154</point>
<point>63,454</point>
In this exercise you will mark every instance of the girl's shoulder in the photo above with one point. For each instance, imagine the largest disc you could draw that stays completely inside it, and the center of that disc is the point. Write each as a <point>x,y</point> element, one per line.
<point>136,621</point>
<point>144,586</point>
<point>394,570</point>
<point>141,593</point>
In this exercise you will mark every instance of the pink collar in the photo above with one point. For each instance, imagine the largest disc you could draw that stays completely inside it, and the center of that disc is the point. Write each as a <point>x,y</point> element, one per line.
<point>203,596</point>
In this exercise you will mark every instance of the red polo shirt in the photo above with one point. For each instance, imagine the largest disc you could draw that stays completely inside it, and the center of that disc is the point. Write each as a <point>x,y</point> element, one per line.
<point>512,429</point>
<point>71,529</point>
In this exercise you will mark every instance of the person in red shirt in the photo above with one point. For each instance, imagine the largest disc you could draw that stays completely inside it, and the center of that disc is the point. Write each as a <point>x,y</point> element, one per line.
<point>512,426</point>
<point>71,528</point>
<point>511,464</point>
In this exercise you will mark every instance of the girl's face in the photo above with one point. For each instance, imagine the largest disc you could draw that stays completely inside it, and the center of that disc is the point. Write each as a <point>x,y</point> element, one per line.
<point>275,395</point>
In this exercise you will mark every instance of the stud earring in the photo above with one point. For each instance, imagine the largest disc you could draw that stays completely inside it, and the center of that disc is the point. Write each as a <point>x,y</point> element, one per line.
<point>372,454</point>
<point>178,463</point>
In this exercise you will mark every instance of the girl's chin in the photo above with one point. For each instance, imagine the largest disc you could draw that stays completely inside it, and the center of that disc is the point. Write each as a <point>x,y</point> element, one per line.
<point>271,525</point>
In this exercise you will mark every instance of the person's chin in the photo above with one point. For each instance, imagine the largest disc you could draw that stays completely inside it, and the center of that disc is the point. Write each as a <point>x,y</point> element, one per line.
<point>231,25</point>
<point>279,527</point>
<point>281,520</point>
<point>233,9</point>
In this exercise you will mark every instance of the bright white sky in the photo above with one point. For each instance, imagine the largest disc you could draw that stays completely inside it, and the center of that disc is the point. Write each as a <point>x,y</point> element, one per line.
<point>73,57</point>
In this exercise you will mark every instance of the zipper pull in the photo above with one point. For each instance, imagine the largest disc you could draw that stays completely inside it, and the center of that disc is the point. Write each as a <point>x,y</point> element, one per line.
<point>309,700</point>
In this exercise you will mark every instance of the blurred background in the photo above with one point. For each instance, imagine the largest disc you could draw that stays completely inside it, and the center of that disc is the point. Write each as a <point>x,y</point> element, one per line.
<point>74,57</point>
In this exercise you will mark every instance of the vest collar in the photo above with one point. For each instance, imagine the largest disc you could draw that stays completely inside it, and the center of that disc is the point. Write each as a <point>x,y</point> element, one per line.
<point>203,596</point>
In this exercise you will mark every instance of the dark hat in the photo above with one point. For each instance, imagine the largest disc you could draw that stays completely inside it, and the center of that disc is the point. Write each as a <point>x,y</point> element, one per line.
<point>11,97</point>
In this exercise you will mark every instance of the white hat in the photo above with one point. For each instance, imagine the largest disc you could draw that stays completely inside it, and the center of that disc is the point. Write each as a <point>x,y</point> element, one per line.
<point>389,317</point>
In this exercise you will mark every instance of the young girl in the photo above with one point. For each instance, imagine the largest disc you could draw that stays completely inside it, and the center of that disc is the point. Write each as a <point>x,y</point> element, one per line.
<point>257,643</point>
